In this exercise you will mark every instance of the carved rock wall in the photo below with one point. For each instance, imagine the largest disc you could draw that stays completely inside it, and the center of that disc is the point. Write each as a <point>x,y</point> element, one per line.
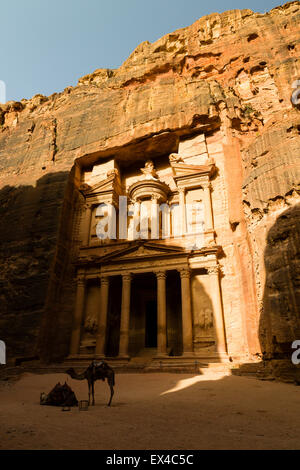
<point>228,75</point>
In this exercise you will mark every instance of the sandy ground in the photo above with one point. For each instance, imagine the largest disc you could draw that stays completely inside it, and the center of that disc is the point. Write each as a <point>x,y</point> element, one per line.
<point>154,411</point>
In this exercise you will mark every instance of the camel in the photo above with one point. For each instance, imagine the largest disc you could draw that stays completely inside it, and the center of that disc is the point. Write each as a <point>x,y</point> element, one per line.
<point>60,395</point>
<point>95,371</point>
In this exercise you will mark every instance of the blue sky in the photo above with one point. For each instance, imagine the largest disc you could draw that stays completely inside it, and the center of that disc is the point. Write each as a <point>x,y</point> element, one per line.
<point>48,44</point>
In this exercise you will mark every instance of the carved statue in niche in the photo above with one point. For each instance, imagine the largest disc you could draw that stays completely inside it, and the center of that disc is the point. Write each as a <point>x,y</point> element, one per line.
<point>203,323</point>
<point>206,319</point>
<point>90,322</point>
<point>204,337</point>
<point>149,171</point>
<point>90,325</point>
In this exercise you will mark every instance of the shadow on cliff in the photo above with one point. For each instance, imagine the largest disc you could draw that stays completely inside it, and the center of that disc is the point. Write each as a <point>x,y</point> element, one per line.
<point>32,244</point>
<point>279,323</point>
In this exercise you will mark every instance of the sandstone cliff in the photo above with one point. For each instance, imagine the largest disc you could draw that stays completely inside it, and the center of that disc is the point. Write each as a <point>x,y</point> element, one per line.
<point>229,75</point>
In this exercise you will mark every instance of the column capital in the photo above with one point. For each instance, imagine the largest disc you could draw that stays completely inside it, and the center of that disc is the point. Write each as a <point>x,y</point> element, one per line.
<point>81,280</point>
<point>104,280</point>
<point>181,190</point>
<point>184,272</point>
<point>213,270</point>
<point>127,277</point>
<point>161,274</point>
<point>134,200</point>
<point>155,198</point>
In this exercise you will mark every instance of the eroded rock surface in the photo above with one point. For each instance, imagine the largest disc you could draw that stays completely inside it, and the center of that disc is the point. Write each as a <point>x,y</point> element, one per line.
<point>229,76</point>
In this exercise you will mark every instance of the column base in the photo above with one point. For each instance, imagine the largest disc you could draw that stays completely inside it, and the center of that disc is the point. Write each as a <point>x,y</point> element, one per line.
<point>83,359</point>
<point>188,354</point>
<point>212,356</point>
<point>123,357</point>
<point>161,356</point>
<point>79,357</point>
<point>222,353</point>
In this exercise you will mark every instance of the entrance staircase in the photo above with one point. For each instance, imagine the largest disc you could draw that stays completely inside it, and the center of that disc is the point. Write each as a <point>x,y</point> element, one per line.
<point>147,360</point>
<point>145,354</point>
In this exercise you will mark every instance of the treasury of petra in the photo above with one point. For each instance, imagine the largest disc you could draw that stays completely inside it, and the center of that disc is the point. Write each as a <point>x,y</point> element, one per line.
<point>150,214</point>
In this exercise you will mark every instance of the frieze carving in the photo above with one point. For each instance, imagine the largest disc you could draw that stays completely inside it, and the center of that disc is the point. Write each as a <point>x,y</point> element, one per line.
<point>213,270</point>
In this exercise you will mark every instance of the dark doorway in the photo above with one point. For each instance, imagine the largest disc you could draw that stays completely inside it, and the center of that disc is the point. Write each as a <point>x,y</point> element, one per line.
<point>151,324</point>
<point>143,313</point>
<point>174,321</point>
<point>113,317</point>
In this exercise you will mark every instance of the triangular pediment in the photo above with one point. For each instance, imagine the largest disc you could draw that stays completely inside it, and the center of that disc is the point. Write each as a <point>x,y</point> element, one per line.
<point>140,249</point>
<point>182,169</point>
<point>103,186</point>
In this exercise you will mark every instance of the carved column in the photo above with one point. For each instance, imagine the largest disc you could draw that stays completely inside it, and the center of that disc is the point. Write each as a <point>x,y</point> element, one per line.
<point>213,272</point>
<point>154,217</point>
<point>182,210</point>
<point>187,323</point>
<point>125,315</point>
<point>78,316</point>
<point>208,215</point>
<point>102,318</point>
<point>161,313</point>
<point>86,224</point>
